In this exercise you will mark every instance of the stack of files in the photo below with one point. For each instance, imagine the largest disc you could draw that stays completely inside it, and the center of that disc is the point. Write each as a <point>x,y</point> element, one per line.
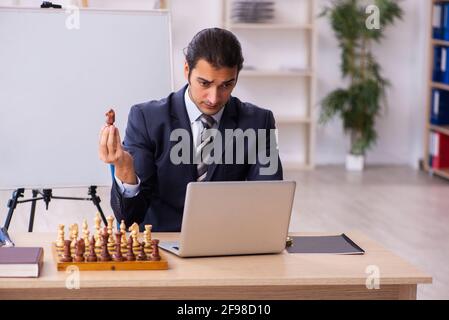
<point>440,71</point>
<point>252,11</point>
<point>440,21</point>
<point>438,151</point>
<point>439,113</point>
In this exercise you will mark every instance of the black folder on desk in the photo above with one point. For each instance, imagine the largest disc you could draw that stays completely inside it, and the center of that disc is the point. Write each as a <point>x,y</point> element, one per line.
<point>340,244</point>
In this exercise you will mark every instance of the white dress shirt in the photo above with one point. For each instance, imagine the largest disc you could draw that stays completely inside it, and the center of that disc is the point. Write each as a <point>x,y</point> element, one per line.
<point>132,190</point>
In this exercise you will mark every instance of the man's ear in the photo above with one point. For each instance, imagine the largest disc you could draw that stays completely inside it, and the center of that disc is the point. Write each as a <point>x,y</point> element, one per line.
<point>186,71</point>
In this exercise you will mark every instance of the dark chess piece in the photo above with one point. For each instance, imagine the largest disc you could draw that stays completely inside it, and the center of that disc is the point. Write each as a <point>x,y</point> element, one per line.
<point>130,254</point>
<point>92,257</point>
<point>67,256</point>
<point>142,255</point>
<point>118,254</point>
<point>105,256</point>
<point>154,256</point>
<point>80,248</point>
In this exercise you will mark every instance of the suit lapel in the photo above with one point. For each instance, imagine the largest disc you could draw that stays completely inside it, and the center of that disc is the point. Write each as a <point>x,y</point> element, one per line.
<point>180,120</point>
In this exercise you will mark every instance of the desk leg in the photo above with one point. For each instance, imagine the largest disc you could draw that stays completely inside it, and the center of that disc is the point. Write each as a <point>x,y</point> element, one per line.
<point>407,292</point>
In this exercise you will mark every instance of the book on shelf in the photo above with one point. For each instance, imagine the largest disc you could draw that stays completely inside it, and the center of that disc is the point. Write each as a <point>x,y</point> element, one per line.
<point>21,262</point>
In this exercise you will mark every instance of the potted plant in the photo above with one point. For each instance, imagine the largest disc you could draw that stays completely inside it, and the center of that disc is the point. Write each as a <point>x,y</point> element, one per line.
<point>360,102</point>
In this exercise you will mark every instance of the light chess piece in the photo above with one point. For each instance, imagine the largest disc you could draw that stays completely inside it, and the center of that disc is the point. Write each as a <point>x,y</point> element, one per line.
<point>147,238</point>
<point>111,241</point>
<point>136,244</point>
<point>60,240</point>
<point>123,232</point>
<point>74,236</point>
<point>86,234</point>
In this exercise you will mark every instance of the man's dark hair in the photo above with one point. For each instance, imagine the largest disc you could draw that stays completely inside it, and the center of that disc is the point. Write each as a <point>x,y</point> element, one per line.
<point>219,47</point>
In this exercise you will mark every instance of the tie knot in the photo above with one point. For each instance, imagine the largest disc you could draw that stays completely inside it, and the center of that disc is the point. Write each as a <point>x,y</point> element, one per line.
<point>207,121</point>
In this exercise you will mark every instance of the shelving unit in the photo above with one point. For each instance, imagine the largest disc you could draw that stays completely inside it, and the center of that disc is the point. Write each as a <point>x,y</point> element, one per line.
<point>429,127</point>
<point>283,81</point>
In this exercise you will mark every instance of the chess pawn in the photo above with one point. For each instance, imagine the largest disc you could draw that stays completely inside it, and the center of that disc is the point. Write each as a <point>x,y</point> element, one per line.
<point>60,240</point>
<point>130,254</point>
<point>67,256</point>
<point>118,254</point>
<point>136,244</point>
<point>98,242</point>
<point>85,226</point>
<point>155,254</point>
<point>142,255</point>
<point>92,257</point>
<point>105,256</point>
<point>80,248</point>
<point>74,236</point>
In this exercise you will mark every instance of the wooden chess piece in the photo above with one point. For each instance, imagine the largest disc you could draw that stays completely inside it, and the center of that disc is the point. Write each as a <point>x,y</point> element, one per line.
<point>142,255</point>
<point>155,250</point>
<point>86,234</point>
<point>105,256</point>
<point>117,256</point>
<point>60,240</point>
<point>67,256</point>
<point>92,257</point>
<point>123,231</point>
<point>130,254</point>
<point>136,244</point>
<point>147,238</point>
<point>74,236</point>
<point>80,248</point>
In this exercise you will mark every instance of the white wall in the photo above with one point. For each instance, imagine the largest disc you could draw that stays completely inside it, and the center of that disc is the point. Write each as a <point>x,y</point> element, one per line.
<point>403,55</point>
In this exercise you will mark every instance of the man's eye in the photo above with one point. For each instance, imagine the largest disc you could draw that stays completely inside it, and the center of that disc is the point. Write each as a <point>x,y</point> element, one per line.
<point>204,84</point>
<point>226,85</point>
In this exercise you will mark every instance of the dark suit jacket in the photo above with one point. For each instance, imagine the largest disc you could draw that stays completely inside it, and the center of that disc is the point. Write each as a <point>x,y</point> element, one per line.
<point>160,201</point>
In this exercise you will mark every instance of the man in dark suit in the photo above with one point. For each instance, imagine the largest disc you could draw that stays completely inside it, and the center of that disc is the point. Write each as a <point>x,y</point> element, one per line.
<point>200,133</point>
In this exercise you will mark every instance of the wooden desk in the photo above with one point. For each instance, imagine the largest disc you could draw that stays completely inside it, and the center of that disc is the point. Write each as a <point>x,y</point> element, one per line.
<point>281,276</point>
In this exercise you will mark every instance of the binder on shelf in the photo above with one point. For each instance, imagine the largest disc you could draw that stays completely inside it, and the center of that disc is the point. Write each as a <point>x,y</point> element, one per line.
<point>439,112</point>
<point>438,150</point>
<point>441,65</point>
<point>445,20</point>
<point>436,72</point>
<point>437,22</point>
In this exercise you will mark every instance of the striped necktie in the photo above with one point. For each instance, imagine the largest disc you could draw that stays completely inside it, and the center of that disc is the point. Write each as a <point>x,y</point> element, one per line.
<point>205,140</point>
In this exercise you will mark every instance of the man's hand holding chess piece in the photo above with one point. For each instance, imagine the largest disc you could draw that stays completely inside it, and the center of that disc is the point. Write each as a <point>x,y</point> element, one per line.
<point>111,151</point>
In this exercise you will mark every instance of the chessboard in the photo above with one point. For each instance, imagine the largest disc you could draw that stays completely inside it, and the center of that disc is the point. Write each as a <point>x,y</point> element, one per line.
<point>106,249</point>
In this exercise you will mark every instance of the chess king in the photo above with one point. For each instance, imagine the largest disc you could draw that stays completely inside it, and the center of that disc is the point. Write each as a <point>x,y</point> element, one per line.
<point>149,187</point>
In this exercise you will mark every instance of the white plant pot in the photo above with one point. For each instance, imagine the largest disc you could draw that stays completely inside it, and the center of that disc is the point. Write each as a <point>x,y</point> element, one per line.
<point>355,162</point>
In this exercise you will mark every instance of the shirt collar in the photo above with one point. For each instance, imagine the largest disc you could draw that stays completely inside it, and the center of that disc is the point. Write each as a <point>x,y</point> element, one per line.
<point>194,113</point>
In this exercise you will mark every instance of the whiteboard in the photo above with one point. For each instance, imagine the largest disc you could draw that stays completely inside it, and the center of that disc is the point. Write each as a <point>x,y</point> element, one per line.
<point>57,83</point>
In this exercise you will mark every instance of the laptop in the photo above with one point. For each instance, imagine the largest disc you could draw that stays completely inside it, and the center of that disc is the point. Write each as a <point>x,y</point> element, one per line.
<point>234,218</point>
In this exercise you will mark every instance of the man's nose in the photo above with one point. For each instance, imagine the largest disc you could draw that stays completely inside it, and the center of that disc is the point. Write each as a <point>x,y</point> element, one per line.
<point>212,96</point>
